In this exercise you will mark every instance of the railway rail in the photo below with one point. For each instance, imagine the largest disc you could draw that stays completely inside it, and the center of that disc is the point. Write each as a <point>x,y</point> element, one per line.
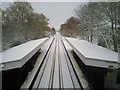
<point>59,62</point>
<point>62,66</point>
<point>56,70</point>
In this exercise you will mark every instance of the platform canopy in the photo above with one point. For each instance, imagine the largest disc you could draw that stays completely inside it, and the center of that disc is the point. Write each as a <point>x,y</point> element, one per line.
<point>17,56</point>
<point>94,55</point>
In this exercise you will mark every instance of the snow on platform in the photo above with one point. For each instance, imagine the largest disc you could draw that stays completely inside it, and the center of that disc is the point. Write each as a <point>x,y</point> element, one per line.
<point>94,55</point>
<point>17,56</point>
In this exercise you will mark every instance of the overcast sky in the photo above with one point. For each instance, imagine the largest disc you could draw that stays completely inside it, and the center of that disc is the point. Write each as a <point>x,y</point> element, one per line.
<point>56,12</point>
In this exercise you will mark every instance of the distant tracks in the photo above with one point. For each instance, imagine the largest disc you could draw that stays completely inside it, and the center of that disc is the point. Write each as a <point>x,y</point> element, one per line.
<point>56,69</point>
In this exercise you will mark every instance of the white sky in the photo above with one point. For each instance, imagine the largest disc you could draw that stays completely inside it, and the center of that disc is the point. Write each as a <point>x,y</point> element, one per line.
<point>57,12</point>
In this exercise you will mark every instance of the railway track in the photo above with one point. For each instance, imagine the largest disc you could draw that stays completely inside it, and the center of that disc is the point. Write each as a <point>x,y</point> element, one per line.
<point>57,69</point>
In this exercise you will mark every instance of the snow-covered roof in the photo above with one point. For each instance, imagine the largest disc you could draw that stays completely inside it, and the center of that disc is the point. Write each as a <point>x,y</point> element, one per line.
<point>19,55</point>
<point>94,55</point>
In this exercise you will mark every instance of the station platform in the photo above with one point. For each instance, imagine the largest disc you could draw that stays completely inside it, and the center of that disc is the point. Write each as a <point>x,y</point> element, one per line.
<point>17,56</point>
<point>94,55</point>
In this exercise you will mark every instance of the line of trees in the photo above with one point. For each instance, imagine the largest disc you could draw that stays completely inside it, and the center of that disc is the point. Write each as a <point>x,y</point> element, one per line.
<point>20,24</point>
<point>69,28</point>
<point>100,21</point>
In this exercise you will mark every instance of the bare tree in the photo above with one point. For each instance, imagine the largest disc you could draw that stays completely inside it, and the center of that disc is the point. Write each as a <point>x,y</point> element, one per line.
<point>99,19</point>
<point>111,10</point>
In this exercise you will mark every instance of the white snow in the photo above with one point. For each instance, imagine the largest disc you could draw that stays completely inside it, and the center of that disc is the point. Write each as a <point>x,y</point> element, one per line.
<point>92,51</point>
<point>20,51</point>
